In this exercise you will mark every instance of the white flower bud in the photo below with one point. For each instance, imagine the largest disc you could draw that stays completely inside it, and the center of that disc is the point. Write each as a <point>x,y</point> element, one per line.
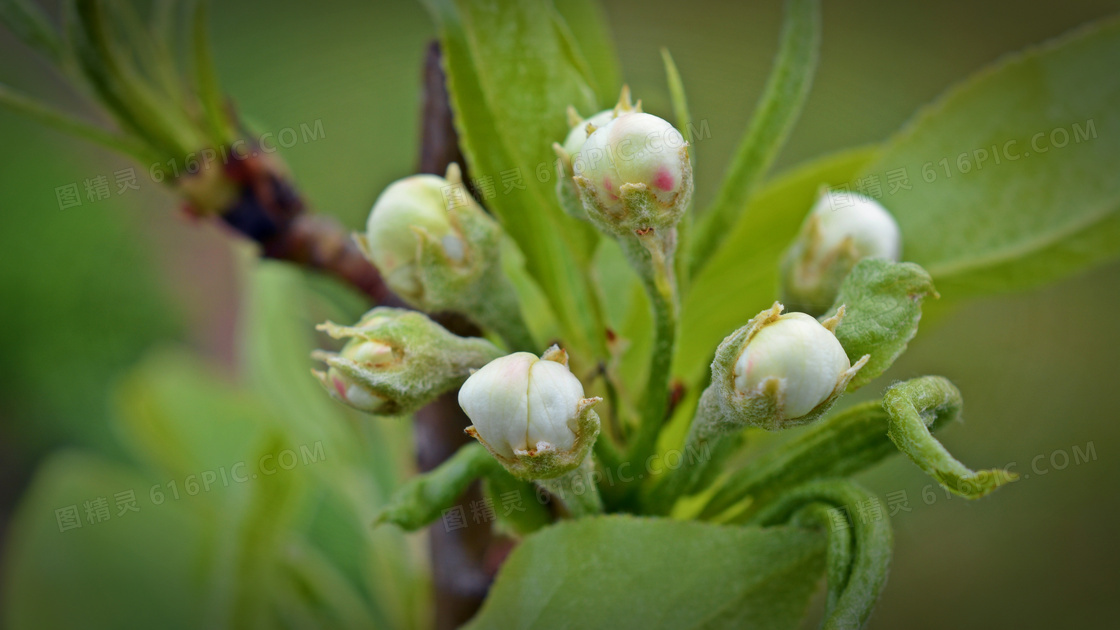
<point>395,361</point>
<point>566,190</point>
<point>579,133</point>
<point>841,230</point>
<point>780,370</point>
<point>804,359</point>
<point>434,245</point>
<point>633,174</point>
<point>391,238</point>
<point>372,354</point>
<point>530,413</point>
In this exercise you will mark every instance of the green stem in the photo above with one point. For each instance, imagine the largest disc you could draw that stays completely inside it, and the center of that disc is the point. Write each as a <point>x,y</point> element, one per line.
<point>577,489</point>
<point>422,499</point>
<point>651,256</point>
<point>500,312</point>
<point>708,439</point>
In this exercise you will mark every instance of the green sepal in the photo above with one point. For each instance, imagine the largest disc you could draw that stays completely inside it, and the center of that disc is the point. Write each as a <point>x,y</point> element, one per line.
<point>471,282</point>
<point>882,303</point>
<point>551,463</point>
<point>428,360</point>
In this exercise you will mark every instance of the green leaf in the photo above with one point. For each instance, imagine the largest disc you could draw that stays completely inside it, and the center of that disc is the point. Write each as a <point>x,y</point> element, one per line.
<point>682,265</point>
<point>623,572</point>
<point>179,418</point>
<point>27,22</point>
<point>916,407</point>
<point>511,76</point>
<point>980,226</point>
<point>882,305</point>
<point>585,20</point>
<point>841,445</point>
<point>853,440</point>
<point>859,552</point>
<point>742,278</point>
<point>206,80</point>
<point>778,109</point>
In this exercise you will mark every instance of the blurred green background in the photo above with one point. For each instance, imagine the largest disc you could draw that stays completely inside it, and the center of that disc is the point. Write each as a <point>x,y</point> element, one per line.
<point>89,291</point>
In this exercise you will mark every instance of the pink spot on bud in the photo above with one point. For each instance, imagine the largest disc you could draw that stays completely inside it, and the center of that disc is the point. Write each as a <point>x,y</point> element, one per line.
<point>664,179</point>
<point>339,387</point>
<point>610,188</point>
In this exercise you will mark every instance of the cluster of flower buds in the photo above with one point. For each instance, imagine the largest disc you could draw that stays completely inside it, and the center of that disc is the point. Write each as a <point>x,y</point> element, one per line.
<point>630,170</point>
<point>778,371</point>
<point>397,360</point>
<point>531,414</point>
<point>841,230</point>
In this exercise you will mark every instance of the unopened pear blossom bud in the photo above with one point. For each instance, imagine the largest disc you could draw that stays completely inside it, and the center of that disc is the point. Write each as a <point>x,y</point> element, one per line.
<point>778,371</point>
<point>421,220</point>
<point>842,228</point>
<point>396,360</point>
<point>633,175</point>
<point>439,251</point>
<point>581,128</point>
<point>531,414</point>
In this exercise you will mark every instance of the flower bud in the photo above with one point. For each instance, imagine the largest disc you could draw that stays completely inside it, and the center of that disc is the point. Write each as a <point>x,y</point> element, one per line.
<point>397,360</point>
<point>841,230</point>
<point>430,239</point>
<point>581,128</point>
<point>531,414</point>
<point>780,371</point>
<point>633,175</point>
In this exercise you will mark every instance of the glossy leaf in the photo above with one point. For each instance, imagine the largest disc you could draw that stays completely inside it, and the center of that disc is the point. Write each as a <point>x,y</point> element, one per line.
<point>1012,174</point>
<point>623,572</point>
<point>511,76</point>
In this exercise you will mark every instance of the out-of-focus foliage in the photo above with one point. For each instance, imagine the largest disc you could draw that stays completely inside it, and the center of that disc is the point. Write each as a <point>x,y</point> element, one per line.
<point>253,501</point>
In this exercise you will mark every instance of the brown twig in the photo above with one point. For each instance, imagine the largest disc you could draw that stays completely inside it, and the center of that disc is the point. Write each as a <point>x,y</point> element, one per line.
<point>269,211</point>
<point>459,557</point>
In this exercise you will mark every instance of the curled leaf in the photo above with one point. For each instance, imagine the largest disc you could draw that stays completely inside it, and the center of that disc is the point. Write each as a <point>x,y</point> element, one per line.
<point>859,544</point>
<point>920,405</point>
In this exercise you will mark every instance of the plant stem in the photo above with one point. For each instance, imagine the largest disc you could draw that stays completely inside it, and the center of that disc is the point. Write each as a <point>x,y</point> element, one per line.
<point>500,312</point>
<point>651,255</point>
<point>704,438</point>
<point>577,489</point>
